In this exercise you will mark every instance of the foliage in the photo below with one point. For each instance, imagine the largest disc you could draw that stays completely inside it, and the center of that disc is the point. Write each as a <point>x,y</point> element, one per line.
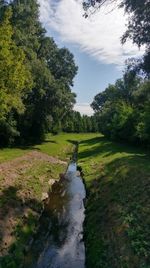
<point>14,75</point>
<point>122,110</point>
<point>77,123</point>
<point>35,76</point>
<point>15,80</point>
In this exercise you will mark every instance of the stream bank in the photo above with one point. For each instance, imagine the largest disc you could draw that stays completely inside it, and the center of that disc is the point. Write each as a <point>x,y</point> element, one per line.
<point>59,240</point>
<point>24,182</point>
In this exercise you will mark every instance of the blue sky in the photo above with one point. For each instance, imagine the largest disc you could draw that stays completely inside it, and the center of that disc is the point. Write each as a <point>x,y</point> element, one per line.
<point>95,43</point>
<point>93,76</point>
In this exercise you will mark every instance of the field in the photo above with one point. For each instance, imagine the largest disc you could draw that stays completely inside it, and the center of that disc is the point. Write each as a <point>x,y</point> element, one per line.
<point>117,179</point>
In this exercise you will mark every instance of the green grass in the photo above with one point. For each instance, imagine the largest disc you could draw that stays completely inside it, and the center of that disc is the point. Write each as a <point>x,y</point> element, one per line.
<point>27,189</point>
<point>117,178</point>
<point>117,226</point>
<point>7,154</point>
<point>59,146</point>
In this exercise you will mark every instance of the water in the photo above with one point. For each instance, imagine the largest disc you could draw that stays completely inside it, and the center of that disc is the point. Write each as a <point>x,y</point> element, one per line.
<point>59,241</point>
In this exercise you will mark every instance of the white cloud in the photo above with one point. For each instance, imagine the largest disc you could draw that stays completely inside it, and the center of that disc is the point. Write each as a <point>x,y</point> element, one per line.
<point>83,108</point>
<point>99,35</point>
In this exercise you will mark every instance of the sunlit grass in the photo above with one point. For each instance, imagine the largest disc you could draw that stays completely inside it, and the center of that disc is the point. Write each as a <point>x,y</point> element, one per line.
<point>55,145</point>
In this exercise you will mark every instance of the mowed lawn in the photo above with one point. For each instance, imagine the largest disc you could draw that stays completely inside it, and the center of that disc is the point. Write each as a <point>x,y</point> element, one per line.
<point>117,226</point>
<point>55,145</point>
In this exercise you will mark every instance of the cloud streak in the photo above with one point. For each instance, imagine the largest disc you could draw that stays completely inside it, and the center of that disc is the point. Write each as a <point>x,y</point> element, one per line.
<point>98,36</point>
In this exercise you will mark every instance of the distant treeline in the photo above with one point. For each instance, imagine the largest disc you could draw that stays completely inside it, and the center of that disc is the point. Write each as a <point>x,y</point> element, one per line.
<point>35,76</point>
<point>78,124</point>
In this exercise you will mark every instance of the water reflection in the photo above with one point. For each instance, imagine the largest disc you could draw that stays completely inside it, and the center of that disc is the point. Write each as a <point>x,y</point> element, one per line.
<point>59,241</point>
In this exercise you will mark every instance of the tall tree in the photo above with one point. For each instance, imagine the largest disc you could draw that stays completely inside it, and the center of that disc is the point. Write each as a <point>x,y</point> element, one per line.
<point>35,75</point>
<point>28,30</point>
<point>122,110</point>
<point>15,78</point>
<point>14,75</point>
<point>48,101</point>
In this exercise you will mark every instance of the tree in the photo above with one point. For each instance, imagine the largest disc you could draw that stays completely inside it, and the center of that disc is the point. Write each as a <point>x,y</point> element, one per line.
<point>111,93</point>
<point>143,126</point>
<point>15,78</point>
<point>52,69</point>
<point>122,109</point>
<point>28,30</point>
<point>62,66</point>
<point>36,75</point>
<point>14,74</point>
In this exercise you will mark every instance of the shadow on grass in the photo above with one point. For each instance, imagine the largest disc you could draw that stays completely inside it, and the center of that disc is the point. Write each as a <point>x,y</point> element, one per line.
<point>117,215</point>
<point>74,142</point>
<point>18,221</point>
<point>29,146</point>
<point>48,141</point>
<point>33,145</point>
<point>101,145</point>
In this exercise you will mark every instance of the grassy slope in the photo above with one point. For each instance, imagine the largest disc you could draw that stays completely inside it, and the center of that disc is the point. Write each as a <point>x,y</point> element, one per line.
<point>20,199</point>
<point>23,197</point>
<point>117,227</point>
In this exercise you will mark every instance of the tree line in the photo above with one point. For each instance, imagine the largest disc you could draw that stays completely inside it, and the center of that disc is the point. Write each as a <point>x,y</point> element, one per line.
<point>36,76</point>
<point>78,123</point>
<point>122,110</point>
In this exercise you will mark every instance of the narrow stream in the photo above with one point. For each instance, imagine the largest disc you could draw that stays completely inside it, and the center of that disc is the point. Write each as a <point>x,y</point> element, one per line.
<point>59,241</point>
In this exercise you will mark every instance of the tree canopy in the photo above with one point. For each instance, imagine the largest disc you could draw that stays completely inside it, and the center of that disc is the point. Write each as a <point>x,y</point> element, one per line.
<point>36,76</point>
<point>122,110</point>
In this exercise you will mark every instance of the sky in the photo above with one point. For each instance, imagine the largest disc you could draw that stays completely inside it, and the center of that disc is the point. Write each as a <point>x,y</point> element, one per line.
<point>95,43</point>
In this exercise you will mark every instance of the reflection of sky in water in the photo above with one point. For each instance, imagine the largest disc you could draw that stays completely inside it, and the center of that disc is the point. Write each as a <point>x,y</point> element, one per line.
<point>62,245</point>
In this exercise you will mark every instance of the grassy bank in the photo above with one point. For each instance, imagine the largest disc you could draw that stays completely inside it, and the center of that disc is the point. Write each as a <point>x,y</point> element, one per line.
<point>26,174</point>
<point>117,227</point>
<point>57,146</point>
<point>117,210</point>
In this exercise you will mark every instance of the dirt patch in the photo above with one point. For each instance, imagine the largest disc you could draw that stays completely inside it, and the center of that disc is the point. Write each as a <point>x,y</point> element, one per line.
<point>10,170</point>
